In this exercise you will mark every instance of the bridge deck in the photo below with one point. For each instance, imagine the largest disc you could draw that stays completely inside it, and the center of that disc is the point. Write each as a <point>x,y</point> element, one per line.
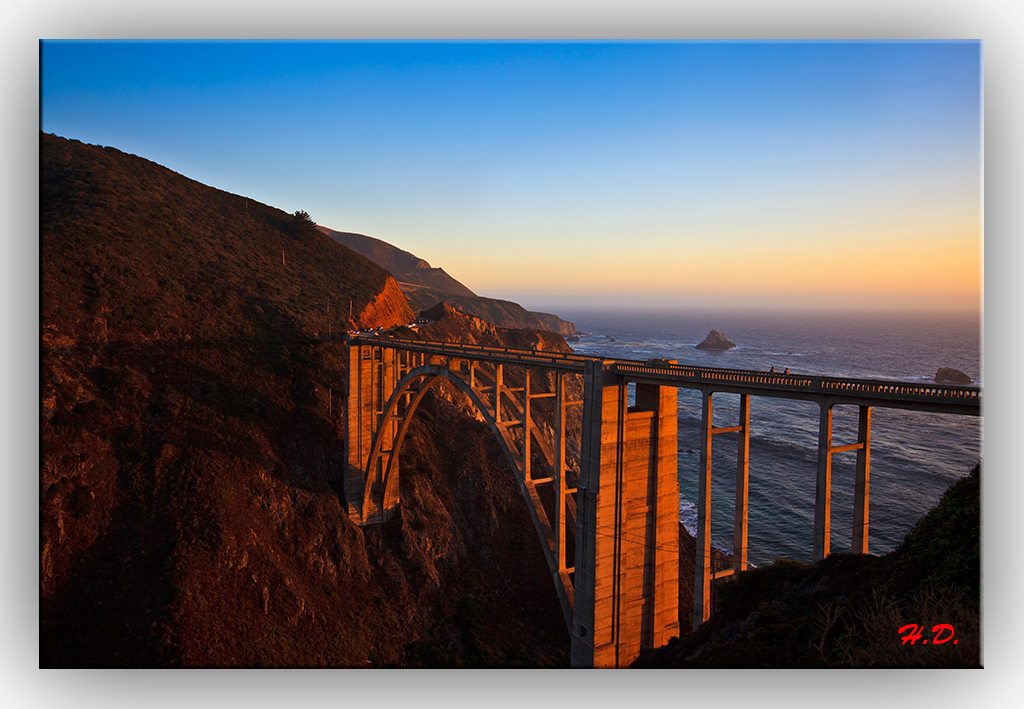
<point>940,398</point>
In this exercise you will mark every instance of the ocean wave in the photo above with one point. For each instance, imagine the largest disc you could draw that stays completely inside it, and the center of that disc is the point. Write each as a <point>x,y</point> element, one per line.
<point>688,518</point>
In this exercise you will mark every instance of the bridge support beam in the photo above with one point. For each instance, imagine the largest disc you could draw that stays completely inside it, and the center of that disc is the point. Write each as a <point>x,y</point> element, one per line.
<point>627,549</point>
<point>739,543</point>
<point>862,482</point>
<point>526,420</point>
<point>702,567</point>
<point>559,473</point>
<point>823,485</point>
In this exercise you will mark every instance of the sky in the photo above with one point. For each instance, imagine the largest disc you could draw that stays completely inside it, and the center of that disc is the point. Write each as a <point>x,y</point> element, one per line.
<point>565,175</point>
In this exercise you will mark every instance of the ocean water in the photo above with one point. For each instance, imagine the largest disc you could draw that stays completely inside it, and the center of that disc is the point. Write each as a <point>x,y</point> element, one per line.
<point>914,456</point>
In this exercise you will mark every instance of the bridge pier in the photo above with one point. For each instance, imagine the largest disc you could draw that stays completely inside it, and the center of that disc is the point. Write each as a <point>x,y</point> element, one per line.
<point>373,374</point>
<point>704,573</point>
<point>823,487</point>
<point>627,550</point>
<point>359,420</point>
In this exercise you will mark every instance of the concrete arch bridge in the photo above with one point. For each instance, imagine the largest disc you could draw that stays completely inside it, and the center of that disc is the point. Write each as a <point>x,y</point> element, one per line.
<point>611,539</point>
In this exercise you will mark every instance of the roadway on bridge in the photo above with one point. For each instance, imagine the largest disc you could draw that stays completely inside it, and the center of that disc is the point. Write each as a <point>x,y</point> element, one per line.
<point>939,398</point>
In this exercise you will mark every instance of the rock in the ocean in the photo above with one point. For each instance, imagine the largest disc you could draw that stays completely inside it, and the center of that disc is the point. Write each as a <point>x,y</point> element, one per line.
<point>948,375</point>
<point>716,341</point>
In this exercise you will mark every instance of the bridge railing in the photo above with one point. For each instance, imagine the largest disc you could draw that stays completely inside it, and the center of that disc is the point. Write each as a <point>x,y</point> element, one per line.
<point>803,385</point>
<point>567,356</point>
<point>504,355</point>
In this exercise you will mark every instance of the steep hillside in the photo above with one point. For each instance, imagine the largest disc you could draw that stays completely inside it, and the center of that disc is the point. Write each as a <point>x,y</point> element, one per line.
<point>131,249</point>
<point>191,450</point>
<point>425,287</point>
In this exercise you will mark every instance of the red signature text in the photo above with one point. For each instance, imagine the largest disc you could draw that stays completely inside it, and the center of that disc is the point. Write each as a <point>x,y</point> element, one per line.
<point>941,633</point>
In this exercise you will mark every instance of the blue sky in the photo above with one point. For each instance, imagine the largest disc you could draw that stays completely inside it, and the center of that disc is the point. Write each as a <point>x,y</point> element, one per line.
<point>838,175</point>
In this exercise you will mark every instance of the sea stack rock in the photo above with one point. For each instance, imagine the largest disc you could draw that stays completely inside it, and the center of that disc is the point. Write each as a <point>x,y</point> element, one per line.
<point>948,375</point>
<point>716,341</point>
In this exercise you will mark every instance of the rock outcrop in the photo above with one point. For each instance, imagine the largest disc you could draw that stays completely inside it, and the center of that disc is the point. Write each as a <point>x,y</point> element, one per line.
<point>449,323</point>
<point>553,323</point>
<point>387,308</point>
<point>948,375</point>
<point>503,313</point>
<point>716,341</point>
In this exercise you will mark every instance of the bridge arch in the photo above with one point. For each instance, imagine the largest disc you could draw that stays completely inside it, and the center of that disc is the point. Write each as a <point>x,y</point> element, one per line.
<point>386,386</point>
<point>430,375</point>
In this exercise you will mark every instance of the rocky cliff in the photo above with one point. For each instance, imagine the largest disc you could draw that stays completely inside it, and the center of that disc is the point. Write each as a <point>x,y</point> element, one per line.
<point>503,313</point>
<point>191,446</point>
<point>386,308</point>
<point>449,323</point>
<point>425,286</point>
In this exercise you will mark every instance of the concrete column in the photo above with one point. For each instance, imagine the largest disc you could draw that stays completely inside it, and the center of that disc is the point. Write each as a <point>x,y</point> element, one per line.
<point>526,424</point>
<point>396,366</point>
<point>582,631</point>
<point>861,489</point>
<point>497,392</point>
<point>739,552</point>
<point>661,486</point>
<point>375,379</point>
<point>823,487</point>
<point>702,580</point>
<point>559,451</point>
<point>627,539</point>
<point>387,499</point>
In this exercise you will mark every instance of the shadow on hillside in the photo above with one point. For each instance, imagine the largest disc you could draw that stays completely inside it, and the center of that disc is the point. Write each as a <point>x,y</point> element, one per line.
<point>272,398</point>
<point>114,609</point>
<point>143,428</point>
